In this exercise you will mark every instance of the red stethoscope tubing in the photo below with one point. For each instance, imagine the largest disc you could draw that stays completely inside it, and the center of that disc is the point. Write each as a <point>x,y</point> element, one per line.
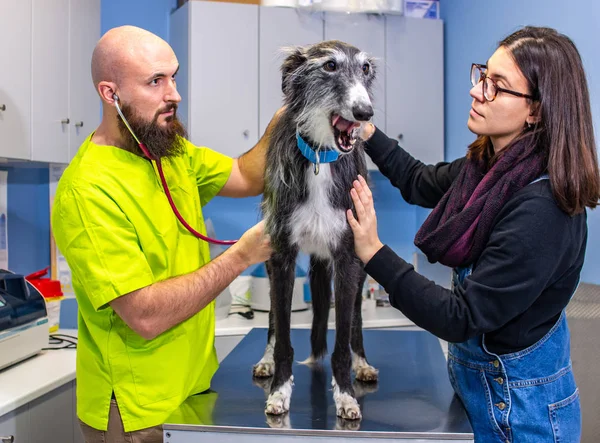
<point>166,187</point>
<point>172,203</point>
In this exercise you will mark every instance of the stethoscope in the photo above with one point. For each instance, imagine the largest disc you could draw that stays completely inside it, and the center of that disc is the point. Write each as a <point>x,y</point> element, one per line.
<point>164,183</point>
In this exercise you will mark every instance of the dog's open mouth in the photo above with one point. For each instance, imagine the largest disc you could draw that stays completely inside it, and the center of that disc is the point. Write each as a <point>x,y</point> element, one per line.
<point>344,132</point>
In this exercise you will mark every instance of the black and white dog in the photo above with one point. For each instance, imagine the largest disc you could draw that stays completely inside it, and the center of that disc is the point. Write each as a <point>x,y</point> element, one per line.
<point>313,157</point>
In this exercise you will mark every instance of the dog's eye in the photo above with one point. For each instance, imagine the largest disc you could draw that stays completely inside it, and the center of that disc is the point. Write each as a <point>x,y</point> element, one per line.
<point>330,66</point>
<point>366,69</point>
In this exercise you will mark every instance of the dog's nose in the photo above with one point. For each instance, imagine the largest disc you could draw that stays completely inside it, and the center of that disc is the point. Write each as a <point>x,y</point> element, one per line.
<point>362,112</point>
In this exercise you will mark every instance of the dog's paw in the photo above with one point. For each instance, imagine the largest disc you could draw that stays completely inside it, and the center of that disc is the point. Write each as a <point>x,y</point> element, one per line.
<point>363,370</point>
<point>367,373</point>
<point>279,401</point>
<point>346,406</point>
<point>263,368</point>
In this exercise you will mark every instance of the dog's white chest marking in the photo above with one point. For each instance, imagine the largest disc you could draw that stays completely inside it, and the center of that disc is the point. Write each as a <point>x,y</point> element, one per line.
<point>316,226</point>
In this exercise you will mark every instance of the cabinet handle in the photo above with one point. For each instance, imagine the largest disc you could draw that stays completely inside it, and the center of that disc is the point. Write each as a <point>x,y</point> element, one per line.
<point>2,108</point>
<point>246,133</point>
<point>79,124</point>
<point>10,438</point>
<point>66,121</point>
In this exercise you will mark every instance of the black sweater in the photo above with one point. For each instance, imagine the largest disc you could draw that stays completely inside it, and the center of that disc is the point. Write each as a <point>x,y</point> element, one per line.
<point>523,279</point>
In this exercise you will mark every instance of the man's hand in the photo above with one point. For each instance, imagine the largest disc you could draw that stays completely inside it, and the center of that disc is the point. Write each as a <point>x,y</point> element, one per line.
<point>366,240</point>
<point>255,245</point>
<point>151,310</point>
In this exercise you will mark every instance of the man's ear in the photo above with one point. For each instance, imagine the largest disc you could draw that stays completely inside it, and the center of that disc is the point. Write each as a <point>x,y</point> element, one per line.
<point>106,91</point>
<point>295,58</point>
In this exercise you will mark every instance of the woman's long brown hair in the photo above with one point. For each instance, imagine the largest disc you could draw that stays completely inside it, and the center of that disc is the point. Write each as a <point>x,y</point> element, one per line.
<point>554,71</point>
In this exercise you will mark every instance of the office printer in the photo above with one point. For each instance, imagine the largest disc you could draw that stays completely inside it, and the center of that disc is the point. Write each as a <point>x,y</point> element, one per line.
<point>23,319</point>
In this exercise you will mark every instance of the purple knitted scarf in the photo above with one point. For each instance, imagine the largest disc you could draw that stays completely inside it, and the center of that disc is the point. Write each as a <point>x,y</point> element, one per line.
<point>458,228</point>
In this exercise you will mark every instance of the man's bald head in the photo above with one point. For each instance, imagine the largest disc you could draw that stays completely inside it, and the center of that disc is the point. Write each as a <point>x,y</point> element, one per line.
<point>121,50</point>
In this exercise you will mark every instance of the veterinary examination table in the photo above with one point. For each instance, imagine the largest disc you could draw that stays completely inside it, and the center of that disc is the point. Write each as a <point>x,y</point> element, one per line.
<point>412,401</point>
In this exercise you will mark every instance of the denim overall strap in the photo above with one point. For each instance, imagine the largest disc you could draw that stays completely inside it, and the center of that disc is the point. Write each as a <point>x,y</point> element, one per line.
<point>526,396</point>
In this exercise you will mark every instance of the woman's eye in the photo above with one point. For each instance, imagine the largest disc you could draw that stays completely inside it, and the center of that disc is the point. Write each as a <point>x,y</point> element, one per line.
<point>330,66</point>
<point>366,68</point>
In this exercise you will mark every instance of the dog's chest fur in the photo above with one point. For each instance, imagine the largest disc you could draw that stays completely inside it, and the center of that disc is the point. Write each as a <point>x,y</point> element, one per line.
<point>316,226</point>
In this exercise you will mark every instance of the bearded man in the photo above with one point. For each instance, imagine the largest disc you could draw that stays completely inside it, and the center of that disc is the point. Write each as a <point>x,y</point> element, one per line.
<point>145,286</point>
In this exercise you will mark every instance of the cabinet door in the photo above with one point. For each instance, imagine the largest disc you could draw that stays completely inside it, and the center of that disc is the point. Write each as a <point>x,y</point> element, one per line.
<point>179,39</point>
<point>52,416</point>
<point>15,79</point>
<point>224,76</point>
<point>415,86</point>
<point>279,28</point>
<point>16,424</point>
<point>50,81</point>
<point>367,33</point>
<point>84,103</point>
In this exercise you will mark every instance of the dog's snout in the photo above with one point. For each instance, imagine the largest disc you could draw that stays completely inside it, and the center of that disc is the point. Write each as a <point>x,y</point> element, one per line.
<point>362,112</point>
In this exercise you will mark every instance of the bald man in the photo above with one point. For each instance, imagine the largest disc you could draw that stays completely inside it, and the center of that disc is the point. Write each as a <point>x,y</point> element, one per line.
<point>145,286</point>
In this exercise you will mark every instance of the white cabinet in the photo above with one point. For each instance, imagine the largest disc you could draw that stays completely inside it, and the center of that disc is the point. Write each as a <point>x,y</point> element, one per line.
<point>84,103</point>
<point>415,86</point>
<point>280,28</point>
<point>16,424</point>
<point>230,79</point>
<point>50,81</point>
<point>50,418</point>
<point>222,63</point>
<point>15,79</point>
<point>46,91</point>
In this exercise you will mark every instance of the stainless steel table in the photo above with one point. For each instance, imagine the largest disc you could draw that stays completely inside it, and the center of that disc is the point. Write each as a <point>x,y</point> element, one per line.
<point>413,400</point>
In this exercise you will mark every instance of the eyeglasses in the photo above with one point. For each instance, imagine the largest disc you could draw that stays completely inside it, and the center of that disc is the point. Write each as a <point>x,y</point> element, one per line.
<point>490,88</point>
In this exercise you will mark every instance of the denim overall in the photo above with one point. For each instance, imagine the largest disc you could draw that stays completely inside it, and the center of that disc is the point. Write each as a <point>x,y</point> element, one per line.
<point>526,396</point>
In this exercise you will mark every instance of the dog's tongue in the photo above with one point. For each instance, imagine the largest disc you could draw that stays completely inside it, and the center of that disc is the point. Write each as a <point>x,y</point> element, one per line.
<point>342,124</point>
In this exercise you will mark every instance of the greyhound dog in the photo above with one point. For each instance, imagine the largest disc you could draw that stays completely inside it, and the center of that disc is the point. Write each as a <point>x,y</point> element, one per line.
<point>312,159</point>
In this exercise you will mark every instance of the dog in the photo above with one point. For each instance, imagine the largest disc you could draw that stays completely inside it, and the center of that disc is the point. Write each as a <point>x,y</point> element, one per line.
<point>313,157</point>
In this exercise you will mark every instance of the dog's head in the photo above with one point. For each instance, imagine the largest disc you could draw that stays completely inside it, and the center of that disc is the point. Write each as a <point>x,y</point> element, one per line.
<point>327,88</point>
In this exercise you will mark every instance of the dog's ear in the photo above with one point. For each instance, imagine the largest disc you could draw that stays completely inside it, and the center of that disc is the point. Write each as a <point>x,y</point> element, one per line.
<point>295,57</point>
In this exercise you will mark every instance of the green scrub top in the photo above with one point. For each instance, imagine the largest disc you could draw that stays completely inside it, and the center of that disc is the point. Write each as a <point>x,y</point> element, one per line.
<point>113,223</point>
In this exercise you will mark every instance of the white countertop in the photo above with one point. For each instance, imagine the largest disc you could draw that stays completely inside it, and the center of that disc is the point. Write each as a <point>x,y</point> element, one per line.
<point>38,375</point>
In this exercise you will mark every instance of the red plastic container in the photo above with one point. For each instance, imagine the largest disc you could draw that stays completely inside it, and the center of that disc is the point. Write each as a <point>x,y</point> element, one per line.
<point>48,288</point>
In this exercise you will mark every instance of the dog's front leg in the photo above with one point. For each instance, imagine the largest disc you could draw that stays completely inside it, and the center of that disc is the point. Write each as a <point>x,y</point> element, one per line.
<point>347,275</point>
<point>363,370</point>
<point>282,268</point>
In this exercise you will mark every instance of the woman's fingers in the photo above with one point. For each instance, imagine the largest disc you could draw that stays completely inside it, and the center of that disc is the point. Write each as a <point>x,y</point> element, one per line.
<point>358,205</point>
<point>362,195</point>
<point>366,188</point>
<point>351,220</point>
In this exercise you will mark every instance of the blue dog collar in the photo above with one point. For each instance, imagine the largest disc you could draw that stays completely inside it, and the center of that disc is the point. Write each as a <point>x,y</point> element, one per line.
<point>327,156</point>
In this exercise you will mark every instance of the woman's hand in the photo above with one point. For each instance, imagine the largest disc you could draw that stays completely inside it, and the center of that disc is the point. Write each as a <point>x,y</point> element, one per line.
<point>366,240</point>
<point>366,131</point>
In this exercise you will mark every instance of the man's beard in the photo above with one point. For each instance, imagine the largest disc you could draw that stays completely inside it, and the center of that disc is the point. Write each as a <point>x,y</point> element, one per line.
<point>161,142</point>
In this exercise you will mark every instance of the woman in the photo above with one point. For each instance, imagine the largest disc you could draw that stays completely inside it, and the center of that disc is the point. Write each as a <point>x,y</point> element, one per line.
<point>510,219</point>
